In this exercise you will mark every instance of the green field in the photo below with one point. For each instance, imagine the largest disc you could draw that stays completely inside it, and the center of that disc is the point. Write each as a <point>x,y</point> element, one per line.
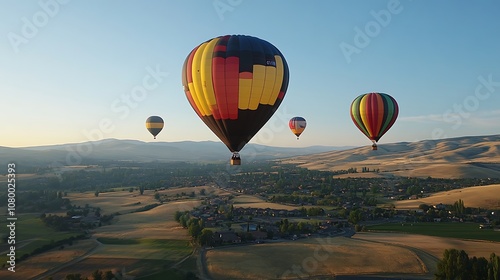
<point>31,233</point>
<point>159,249</point>
<point>454,230</point>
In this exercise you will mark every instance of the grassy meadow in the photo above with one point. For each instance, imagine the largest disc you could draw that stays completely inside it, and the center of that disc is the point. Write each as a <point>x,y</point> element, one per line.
<point>31,233</point>
<point>451,230</point>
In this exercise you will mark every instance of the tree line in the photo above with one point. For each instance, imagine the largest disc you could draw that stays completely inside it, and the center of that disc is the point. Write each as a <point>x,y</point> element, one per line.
<point>457,265</point>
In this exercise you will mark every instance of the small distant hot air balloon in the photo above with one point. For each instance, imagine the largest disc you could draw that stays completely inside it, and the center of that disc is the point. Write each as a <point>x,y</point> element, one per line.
<point>297,125</point>
<point>374,113</point>
<point>154,124</point>
<point>235,83</point>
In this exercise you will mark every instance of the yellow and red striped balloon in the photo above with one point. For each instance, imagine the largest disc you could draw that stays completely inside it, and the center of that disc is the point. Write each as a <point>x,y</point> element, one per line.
<point>235,83</point>
<point>297,125</point>
<point>374,114</point>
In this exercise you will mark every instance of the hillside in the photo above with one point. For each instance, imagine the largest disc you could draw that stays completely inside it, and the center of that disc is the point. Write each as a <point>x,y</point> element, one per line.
<point>464,157</point>
<point>477,197</point>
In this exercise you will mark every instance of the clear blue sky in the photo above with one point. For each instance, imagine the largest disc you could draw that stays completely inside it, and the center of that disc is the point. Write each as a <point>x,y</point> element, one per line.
<point>68,68</point>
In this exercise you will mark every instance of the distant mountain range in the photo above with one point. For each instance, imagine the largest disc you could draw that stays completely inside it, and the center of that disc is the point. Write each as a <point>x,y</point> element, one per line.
<point>463,157</point>
<point>133,150</point>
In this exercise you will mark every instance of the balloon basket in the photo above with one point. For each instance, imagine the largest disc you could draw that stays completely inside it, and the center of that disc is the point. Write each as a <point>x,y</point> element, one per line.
<point>374,147</point>
<point>235,159</point>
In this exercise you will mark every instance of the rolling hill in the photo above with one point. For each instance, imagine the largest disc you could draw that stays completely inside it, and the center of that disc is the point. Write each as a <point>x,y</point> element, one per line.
<point>463,157</point>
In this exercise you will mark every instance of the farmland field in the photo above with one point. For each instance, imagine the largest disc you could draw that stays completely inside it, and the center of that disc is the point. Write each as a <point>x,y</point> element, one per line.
<point>38,264</point>
<point>156,223</point>
<point>432,244</point>
<point>139,243</point>
<point>113,202</point>
<point>31,233</point>
<point>314,257</point>
<point>453,230</point>
<point>246,201</point>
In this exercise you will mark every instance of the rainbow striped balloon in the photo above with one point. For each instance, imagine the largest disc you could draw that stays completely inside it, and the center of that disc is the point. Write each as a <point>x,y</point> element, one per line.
<point>374,114</point>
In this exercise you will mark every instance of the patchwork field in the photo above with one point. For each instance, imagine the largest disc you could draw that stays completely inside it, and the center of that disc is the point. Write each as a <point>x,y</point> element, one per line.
<point>480,196</point>
<point>313,257</point>
<point>156,223</point>
<point>125,201</point>
<point>113,202</point>
<point>41,263</point>
<point>31,233</point>
<point>138,243</point>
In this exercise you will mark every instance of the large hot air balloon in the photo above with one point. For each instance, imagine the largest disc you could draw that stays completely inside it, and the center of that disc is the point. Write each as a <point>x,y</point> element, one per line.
<point>374,113</point>
<point>297,125</point>
<point>235,83</point>
<point>154,124</point>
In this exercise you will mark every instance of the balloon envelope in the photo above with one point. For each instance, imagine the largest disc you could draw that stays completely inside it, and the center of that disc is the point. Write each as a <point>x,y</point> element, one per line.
<point>154,124</point>
<point>297,125</point>
<point>235,83</point>
<point>374,113</point>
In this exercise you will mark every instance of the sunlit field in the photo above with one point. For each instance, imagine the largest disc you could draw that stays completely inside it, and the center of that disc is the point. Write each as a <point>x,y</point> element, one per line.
<point>434,245</point>
<point>41,263</point>
<point>480,196</point>
<point>156,223</point>
<point>245,201</point>
<point>314,257</point>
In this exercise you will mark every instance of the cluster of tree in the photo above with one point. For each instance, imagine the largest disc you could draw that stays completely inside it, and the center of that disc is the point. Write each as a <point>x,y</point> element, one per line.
<point>312,211</point>
<point>96,275</point>
<point>45,200</point>
<point>286,227</point>
<point>457,209</point>
<point>194,225</point>
<point>457,265</point>
<point>367,169</point>
<point>56,222</point>
<point>147,207</point>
